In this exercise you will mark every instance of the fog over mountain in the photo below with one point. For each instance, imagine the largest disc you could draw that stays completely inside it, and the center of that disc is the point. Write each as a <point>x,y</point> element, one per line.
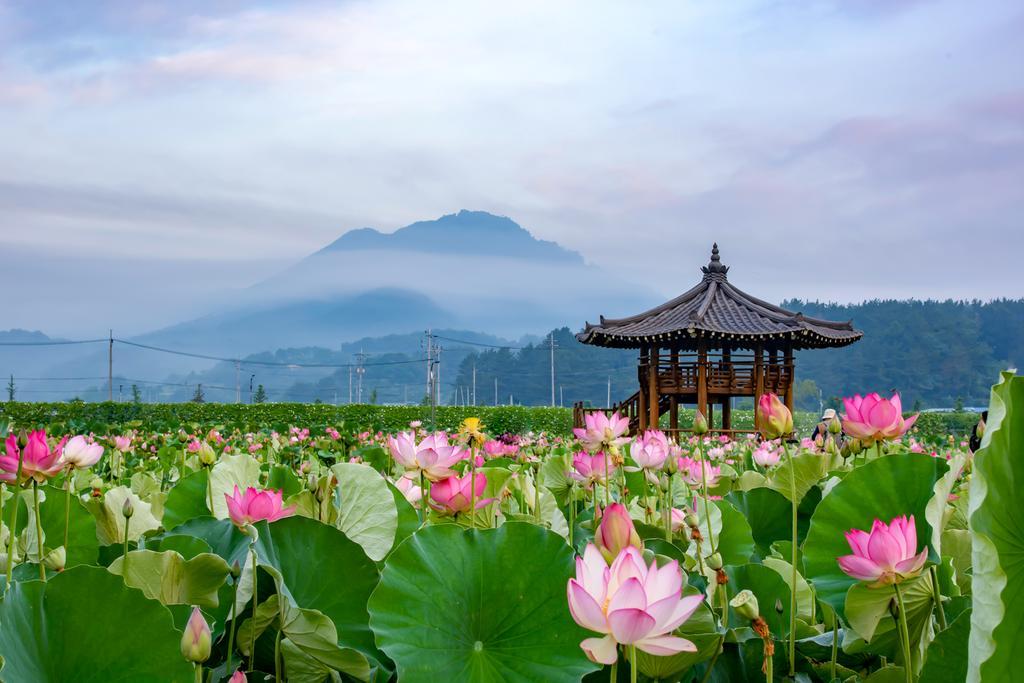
<point>469,270</point>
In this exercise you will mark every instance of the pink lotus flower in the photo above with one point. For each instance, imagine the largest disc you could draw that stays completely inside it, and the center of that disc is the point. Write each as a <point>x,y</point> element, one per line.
<point>615,532</point>
<point>433,456</point>
<point>765,456</point>
<point>886,555</point>
<point>255,506</point>
<point>410,489</point>
<point>38,461</point>
<point>589,469</point>
<point>123,443</point>
<point>872,418</point>
<point>774,418</point>
<point>651,450</point>
<point>630,603</point>
<point>602,432</point>
<point>689,469</point>
<point>455,494</point>
<point>238,677</point>
<point>193,446</point>
<point>78,452</point>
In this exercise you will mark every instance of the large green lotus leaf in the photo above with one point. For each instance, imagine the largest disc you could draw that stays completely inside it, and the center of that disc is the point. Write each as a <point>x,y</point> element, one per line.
<point>84,546</point>
<point>809,469</point>
<point>322,569</point>
<point>408,517</point>
<point>997,529</point>
<point>241,470</point>
<point>300,667</point>
<point>187,499</point>
<point>173,580</point>
<point>946,659</point>
<point>768,512</point>
<point>554,477</point>
<point>223,537</point>
<point>699,629</point>
<point>733,538</point>
<point>366,508</point>
<point>867,611</point>
<point>282,478</point>
<point>771,590</point>
<point>935,512</point>
<point>804,594</point>
<point>884,488</point>
<point>86,626</point>
<point>479,605</point>
<point>308,630</point>
<point>110,521</point>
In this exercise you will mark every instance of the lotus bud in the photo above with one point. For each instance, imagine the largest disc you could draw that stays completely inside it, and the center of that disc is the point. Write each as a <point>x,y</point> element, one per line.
<point>745,604</point>
<point>236,570</point>
<point>56,559</point>
<point>692,520</point>
<point>774,418</point>
<point>671,464</point>
<point>196,640</point>
<point>830,446</point>
<point>96,483</point>
<point>835,426</point>
<point>778,605</point>
<point>700,424</point>
<point>238,677</point>
<point>616,532</point>
<point>819,442</point>
<point>715,561</point>
<point>128,509</point>
<point>207,456</point>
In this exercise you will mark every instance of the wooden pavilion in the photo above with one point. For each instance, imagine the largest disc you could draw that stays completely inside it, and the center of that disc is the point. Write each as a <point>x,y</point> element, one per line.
<point>708,345</point>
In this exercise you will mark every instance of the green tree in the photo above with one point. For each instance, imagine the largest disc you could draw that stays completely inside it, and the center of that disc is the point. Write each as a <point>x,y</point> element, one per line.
<point>260,396</point>
<point>136,394</point>
<point>11,389</point>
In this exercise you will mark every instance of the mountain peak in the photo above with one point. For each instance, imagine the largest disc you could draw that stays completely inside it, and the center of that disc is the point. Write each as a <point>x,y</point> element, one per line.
<point>465,232</point>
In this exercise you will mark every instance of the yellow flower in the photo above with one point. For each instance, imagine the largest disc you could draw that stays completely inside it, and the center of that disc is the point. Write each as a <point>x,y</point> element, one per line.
<point>473,429</point>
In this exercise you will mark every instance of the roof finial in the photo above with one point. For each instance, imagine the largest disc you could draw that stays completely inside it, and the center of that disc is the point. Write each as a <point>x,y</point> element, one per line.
<point>715,266</point>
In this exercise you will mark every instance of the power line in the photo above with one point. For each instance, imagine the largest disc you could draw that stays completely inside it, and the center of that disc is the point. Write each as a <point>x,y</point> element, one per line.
<point>262,362</point>
<point>54,343</point>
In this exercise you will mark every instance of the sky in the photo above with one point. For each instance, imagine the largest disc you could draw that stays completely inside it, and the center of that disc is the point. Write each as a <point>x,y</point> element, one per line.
<point>153,154</point>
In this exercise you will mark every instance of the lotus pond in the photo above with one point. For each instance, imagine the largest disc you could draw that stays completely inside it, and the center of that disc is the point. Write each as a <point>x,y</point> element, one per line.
<point>307,556</point>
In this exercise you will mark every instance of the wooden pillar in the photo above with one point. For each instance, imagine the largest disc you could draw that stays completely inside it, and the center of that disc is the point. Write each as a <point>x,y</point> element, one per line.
<point>642,393</point>
<point>711,415</point>
<point>702,377</point>
<point>791,373</point>
<point>653,397</point>
<point>758,379</point>
<point>673,413</point>
<point>727,401</point>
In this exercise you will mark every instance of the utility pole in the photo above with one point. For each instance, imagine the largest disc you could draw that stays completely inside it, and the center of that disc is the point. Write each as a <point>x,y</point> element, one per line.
<point>251,378</point>
<point>110,368</point>
<point>561,396</point>
<point>474,385</point>
<point>360,357</point>
<point>437,373</point>
<point>609,402</point>
<point>238,381</point>
<point>495,390</point>
<point>350,383</point>
<point>551,342</point>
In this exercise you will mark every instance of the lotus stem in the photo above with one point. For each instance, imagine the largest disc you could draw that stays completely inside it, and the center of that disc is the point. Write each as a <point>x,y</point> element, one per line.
<point>209,490</point>
<point>572,511</point>
<point>536,493</point>
<point>667,512</point>
<point>607,483</point>
<point>704,495</point>
<point>423,500</point>
<point>277,656</point>
<point>234,622</point>
<point>199,672</point>
<point>714,658</point>
<point>67,507</point>
<point>792,584</point>
<point>14,520</point>
<point>907,666</point>
<point>255,598</point>
<point>769,666</point>
<point>835,646</point>
<point>39,529</point>
<point>632,664</point>
<point>124,566</point>
<point>613,675</point>
<point>724,588</point>
<point>472,485</point>
<point>938,598</point>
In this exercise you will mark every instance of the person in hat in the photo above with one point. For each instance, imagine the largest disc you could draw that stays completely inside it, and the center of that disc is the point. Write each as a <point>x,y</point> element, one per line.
<point>821,429</point>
